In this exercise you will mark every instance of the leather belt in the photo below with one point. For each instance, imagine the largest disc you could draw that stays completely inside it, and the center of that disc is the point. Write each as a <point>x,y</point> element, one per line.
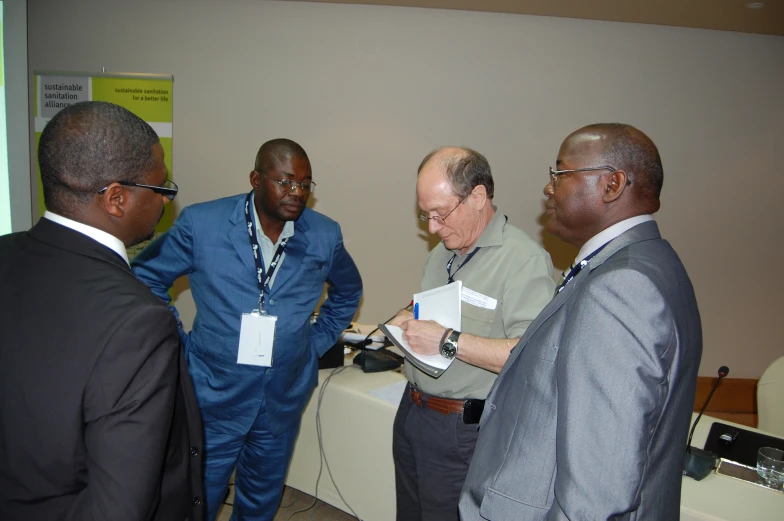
<point>442,405</point>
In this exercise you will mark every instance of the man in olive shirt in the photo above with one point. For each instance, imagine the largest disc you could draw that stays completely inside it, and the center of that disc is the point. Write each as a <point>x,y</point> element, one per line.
<point>435,428</point>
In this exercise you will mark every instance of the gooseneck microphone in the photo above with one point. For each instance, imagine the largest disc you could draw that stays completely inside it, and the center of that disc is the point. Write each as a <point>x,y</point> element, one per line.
<point>723,371</point>
<point>699,462</point>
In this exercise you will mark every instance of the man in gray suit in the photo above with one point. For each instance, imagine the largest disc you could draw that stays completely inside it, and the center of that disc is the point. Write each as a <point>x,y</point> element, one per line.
<point>589,416</point>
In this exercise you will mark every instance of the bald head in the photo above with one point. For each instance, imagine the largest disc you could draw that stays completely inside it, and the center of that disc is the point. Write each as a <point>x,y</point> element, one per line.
<point>277,151</point>
<point>454,191</point>
<point>464,169</point>
<point>608,173</point>
<point>629,149</point>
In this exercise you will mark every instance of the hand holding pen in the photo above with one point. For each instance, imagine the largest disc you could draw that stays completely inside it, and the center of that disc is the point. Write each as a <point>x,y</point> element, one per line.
<point>404,314</point>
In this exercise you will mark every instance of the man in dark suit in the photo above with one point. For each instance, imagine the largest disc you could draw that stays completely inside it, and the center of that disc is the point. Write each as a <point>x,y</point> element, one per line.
<point>588,417</point>
<point>98,419</point>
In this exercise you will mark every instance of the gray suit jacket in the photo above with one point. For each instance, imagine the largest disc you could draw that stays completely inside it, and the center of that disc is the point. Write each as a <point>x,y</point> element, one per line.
<point>589,416</point>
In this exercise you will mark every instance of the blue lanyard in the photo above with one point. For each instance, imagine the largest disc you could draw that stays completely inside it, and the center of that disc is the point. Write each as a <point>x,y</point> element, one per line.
<point>254,242</point>
<point>577,268</point>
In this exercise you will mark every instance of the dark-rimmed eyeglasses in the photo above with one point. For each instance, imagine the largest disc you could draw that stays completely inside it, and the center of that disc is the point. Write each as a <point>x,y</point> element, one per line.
<point>437,218</point>
<point>554,174</point>
<point>290,185</point>
<point>168,189</point>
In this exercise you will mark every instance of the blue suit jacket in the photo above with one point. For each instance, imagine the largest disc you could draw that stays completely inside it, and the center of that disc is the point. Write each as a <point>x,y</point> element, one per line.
<point>210,244</point>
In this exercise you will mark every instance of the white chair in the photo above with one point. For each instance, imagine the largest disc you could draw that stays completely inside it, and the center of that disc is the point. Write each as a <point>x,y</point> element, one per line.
<point>770,399</point>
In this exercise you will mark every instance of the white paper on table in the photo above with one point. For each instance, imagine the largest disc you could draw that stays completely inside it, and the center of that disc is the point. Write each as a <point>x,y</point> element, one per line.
<point>353,338</point>
<point>356,333</point>
<point>391,393</point>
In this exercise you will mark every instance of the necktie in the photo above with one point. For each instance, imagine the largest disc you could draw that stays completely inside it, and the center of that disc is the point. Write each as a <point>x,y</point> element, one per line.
<point>564,274</point>
<point>568,276</point>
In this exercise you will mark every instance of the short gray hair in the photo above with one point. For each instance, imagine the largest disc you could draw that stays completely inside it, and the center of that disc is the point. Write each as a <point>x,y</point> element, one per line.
<point>465,169</point>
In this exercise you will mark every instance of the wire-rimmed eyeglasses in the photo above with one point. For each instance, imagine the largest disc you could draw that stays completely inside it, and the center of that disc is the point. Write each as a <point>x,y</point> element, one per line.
<point>290,185</point>
<point>168,189</point>
<point>437,218</point>
<point>554,174</point>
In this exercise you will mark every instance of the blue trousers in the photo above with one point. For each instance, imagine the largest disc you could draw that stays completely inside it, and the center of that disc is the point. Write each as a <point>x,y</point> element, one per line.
<point>261,461</point>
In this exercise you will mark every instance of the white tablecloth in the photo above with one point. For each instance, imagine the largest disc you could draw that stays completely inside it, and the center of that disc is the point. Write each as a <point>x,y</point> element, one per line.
<point>357,441</point>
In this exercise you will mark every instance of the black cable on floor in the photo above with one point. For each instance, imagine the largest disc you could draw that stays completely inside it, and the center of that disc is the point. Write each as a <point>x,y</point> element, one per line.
<point>323,457</point>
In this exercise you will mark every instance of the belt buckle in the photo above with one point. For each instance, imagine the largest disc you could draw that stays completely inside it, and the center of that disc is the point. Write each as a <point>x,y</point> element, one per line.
<point>417,397</point>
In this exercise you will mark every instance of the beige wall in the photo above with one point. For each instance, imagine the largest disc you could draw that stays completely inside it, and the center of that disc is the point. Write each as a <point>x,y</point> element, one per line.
<point>368,91</point>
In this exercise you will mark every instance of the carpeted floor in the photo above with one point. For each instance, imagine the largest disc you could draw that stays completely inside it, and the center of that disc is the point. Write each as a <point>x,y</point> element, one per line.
<point>294,500</point>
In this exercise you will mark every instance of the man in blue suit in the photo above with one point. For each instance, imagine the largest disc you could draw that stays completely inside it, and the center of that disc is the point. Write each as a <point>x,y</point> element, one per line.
<point>254,269</point>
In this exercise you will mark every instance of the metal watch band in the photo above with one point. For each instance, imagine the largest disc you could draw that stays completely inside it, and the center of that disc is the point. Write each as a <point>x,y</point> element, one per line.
<point>449,346</point>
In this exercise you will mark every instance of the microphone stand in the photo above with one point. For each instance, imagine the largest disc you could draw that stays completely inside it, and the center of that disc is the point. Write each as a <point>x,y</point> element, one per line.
<point>698,462</point>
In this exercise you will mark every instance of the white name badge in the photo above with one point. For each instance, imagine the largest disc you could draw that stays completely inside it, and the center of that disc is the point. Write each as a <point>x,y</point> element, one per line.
<point>257,334</point>
<point>475,298</point>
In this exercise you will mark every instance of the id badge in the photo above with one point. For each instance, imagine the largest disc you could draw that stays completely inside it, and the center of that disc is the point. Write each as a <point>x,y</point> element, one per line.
<point>257,334</point>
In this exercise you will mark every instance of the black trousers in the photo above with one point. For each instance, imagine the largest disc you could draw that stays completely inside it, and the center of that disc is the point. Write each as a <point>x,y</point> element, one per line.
<point>431,451</point>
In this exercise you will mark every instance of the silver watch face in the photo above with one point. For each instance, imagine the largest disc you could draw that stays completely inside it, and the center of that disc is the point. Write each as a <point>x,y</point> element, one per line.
<point>449,349</point>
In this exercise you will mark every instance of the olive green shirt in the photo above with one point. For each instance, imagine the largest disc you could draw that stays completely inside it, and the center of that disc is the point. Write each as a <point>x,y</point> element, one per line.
<point>510,267</point>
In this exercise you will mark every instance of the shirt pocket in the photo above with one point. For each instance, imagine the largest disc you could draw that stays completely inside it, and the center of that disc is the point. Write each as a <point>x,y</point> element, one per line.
<point>478,321</point>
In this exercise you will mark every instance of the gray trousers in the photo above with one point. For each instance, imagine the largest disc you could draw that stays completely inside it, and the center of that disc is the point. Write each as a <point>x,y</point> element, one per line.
<point>431,451</point>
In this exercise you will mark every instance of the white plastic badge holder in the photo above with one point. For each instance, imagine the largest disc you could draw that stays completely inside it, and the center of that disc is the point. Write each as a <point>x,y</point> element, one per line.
<point>257,334</point>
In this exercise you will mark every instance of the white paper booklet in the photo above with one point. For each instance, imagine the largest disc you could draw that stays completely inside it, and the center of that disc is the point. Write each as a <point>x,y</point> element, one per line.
<point>442,305</point>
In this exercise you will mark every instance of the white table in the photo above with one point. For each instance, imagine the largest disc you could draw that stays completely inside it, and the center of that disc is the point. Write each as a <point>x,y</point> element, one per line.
<point>357,440</point>
<point>719,497</point>
<point>356,431</point>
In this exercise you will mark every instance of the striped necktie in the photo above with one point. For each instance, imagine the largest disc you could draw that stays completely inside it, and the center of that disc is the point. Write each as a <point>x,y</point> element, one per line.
<point>569,275</point>
<point>563,275</point>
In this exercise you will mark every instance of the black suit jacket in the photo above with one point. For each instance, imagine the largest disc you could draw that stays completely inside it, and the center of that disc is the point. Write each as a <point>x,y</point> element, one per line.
<point>98,419</point>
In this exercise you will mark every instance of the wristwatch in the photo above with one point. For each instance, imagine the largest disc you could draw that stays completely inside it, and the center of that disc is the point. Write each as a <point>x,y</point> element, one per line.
<point>449,347</point>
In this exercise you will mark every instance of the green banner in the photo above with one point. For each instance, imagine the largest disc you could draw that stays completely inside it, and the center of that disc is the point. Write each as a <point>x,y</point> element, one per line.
<point>147,96</point>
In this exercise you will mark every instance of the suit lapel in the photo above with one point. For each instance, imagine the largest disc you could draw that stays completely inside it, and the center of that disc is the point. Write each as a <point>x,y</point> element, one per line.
<point>240,236</point>
<point>642,232</point>
<point>296,249</point>
<point>554,305</point>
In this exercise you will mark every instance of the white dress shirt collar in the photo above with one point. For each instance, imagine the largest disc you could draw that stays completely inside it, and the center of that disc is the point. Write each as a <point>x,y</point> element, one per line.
<point>108,240</point>
<point>608,234</point>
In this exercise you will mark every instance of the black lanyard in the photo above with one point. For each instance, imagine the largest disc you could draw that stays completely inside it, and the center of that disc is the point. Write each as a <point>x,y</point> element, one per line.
<point>451,276</point>
<point>254,242</point>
